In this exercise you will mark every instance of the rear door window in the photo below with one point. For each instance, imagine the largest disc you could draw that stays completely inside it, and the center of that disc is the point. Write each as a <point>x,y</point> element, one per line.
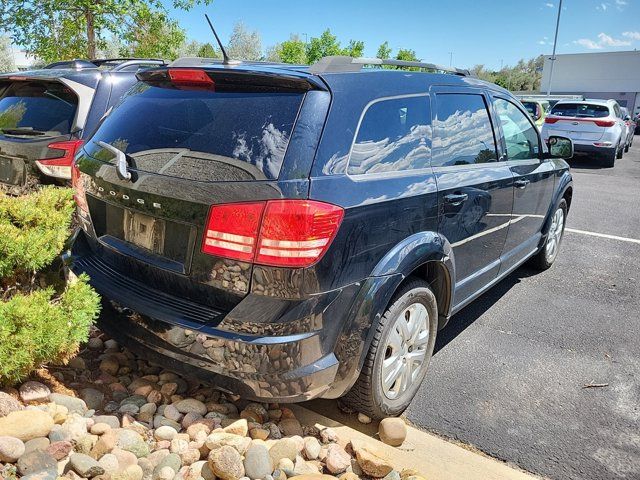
<point>199,134</point>
<point>463,134</point>
<point>580,110</point>
<point>37,108</point>
<point>394,136</point>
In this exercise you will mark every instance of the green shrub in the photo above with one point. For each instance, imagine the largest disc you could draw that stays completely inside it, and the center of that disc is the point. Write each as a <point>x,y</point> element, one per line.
<point>42,319</point>
<point>42,327</point>
<point>33,229</point>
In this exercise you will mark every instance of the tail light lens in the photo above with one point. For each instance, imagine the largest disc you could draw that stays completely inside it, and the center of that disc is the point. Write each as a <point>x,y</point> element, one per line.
<point>297,233</point>
<point>232,230</point>
<point>551,120</point>
<point>283,233</point>
<point>60,167</point>
<point>604,123</point>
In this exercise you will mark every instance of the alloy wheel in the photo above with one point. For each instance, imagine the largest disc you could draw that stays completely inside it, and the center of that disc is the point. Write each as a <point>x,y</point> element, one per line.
<point>555,235</point>
<point>405,350</point>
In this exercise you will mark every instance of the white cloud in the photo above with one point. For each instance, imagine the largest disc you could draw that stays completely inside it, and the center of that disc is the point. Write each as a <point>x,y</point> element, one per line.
<point>631,35</point>
<point>620,4</point>
<point>608,41</point>
<point>603,7</point>
<point>605,40</point>
<point>590,44</point>
<point>550,5</point>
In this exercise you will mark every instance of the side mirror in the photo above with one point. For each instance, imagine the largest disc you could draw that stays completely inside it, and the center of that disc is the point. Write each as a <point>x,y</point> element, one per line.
<point>560,147</point>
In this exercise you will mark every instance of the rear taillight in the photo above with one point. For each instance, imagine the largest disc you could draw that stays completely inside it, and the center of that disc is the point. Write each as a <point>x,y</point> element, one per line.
<point>604,123</point>
<point>551,120</point>
<point>232,230</point>
<point>283,233</point>
<point>60,166</point>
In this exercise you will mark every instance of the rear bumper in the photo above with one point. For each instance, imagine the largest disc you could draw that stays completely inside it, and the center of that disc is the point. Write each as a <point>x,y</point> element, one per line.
<point>589,149</point>
<point>272,350</point>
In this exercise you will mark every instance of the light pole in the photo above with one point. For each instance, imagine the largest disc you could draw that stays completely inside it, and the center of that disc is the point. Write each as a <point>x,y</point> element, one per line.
<point>450,59</point>
<point>555,42</point>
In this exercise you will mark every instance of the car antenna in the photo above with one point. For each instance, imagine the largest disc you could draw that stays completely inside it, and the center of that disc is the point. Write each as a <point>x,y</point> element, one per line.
<point>227,60</point>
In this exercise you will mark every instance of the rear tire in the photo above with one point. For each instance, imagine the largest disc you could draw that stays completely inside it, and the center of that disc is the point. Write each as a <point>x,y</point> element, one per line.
<point>610,158</point>
<point>400,351</point>
<point>626,147</point>
<point>549,251</point>
<point>620,152</point>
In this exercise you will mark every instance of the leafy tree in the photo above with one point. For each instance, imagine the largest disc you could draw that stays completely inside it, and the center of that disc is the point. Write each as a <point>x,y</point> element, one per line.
<point>354,49</point>
<point>293,51</point>
<point>58,29</point>
<point>6,55</point>
<point>244,44</point>
<point>407,55</point>
<point>273,53</point>
<point>154,35</point>
<point>325,45</point>
<point>384,51</point>
<point>207,50</point>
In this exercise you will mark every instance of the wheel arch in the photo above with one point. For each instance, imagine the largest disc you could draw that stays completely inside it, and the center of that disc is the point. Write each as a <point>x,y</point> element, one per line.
<point>429,256</point>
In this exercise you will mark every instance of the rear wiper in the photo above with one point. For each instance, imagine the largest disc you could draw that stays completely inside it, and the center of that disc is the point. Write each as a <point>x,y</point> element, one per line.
<point>22,131</point>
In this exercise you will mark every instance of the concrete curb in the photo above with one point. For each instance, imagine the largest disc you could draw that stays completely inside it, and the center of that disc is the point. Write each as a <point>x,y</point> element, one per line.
<point>435,458</point>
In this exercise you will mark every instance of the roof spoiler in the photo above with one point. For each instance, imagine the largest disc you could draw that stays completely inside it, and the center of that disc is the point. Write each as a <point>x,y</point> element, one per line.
<point>341,64</point>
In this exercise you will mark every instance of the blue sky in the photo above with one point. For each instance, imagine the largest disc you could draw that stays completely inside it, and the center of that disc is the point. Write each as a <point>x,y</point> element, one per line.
<point>476,31</point>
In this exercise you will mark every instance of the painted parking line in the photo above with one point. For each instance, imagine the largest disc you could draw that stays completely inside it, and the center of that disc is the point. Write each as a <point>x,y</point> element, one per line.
<point>603,235</point>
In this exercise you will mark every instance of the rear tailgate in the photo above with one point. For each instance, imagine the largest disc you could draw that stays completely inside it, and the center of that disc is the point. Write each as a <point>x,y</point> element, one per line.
<point>33,114</point>
<point>188,146</point>
<point>579,121</point>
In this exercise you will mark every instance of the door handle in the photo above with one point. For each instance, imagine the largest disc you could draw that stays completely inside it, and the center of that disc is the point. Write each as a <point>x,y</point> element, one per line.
<point>522,183</point>
<point>456,199</point>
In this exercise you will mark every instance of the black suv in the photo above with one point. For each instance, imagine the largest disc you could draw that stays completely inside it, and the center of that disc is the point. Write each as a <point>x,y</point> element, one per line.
<point>44,114</point>
<point>292,232</point>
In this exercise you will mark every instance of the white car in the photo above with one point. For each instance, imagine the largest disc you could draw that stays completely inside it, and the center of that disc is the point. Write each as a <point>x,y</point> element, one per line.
<point>596,127</point>
<point>630,128</point>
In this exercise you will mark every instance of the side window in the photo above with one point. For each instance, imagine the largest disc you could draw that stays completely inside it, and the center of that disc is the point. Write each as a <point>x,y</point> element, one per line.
<point>394,136</point>
<point>462,131</point>
<point>521,137</point>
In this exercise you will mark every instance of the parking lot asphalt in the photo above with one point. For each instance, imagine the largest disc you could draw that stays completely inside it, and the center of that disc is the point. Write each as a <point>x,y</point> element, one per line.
<point>544,369</point>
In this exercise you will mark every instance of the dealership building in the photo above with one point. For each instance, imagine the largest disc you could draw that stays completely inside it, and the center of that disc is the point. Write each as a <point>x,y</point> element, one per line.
<point>596,75</point>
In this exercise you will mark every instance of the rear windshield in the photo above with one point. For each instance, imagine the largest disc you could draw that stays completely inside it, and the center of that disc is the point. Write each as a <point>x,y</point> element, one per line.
<point>37,107</point>
<point>580,110</point>
<point>199,134</point>
<point>531,107</point>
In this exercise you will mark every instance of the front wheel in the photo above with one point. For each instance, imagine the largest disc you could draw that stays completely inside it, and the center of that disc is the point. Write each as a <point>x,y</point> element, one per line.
<point>549,251</point>
<point>399,354</point>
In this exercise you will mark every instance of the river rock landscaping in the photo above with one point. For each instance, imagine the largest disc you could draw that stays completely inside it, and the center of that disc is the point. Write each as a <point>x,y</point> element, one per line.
<point>110,415</point>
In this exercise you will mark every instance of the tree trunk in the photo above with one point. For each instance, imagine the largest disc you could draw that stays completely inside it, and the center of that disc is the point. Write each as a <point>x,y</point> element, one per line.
<point>91,35</point>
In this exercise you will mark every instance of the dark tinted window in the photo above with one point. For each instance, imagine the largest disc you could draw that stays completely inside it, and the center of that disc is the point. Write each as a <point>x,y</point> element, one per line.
<point>531,107</point>
<point>394,136</point>
<point>48,107</point>
<point>462,132</point>
<point>580,110</point>
<point>200,134</point>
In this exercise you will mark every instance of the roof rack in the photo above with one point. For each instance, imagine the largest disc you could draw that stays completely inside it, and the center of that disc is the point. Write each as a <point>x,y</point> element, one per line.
<point>119,63</point>
<point>341,63</point>
<point>77,63</point>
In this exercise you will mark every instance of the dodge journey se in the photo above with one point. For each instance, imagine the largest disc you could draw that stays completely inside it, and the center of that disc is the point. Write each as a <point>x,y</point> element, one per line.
<point>289,232</point>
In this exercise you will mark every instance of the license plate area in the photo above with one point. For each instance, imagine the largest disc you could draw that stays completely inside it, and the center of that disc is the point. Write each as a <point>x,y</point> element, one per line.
<point>165,243</point>
<point>144,231</point>
<point>12,170</point>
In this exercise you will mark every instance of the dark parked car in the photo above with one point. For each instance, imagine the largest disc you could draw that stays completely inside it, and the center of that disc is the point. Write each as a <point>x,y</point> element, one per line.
<point>45,114</point>
<point>290,233</point>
